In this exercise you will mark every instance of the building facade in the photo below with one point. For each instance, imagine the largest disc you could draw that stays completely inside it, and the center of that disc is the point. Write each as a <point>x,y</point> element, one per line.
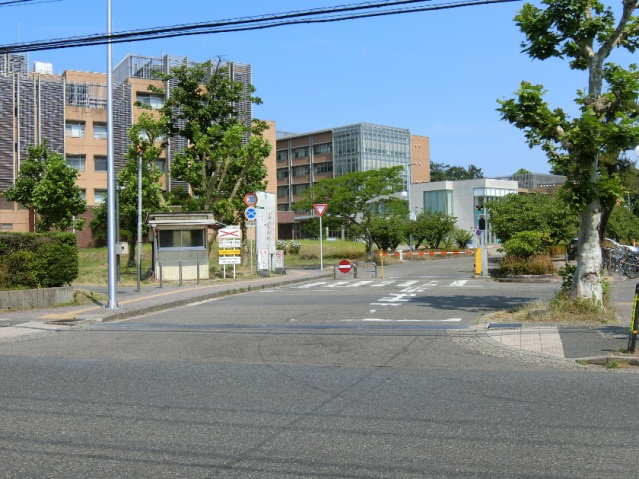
<point>69,111</point>
<point>304,159</point>
<point>463,199</point>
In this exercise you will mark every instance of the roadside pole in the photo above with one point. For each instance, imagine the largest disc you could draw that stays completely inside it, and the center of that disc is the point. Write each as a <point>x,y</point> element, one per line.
<point>320,209</point>
<point>634,325</point>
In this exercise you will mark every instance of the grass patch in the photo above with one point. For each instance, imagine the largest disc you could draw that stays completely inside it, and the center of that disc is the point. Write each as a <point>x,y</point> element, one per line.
<point>558,311</point>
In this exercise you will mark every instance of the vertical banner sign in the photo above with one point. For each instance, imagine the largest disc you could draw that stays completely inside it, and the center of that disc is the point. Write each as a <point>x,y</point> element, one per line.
<point>320,209</point>
<point>265,227</point>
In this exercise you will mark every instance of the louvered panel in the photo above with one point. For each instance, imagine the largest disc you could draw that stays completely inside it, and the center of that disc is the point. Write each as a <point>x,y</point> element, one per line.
<point>6,132</point>
<point>51,114</point>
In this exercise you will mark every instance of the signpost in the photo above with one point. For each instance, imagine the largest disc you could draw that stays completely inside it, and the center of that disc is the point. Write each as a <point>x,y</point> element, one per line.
<point>250,199</point>
<point>320,209</point>
<point>229,240</point>
<point>345,266</point>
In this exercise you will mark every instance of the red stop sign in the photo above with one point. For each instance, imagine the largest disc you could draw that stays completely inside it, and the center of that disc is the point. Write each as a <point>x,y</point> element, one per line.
<point>344,266</point>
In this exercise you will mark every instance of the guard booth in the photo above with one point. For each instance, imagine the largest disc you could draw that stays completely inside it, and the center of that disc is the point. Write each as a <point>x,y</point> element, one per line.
<point>180,244</point>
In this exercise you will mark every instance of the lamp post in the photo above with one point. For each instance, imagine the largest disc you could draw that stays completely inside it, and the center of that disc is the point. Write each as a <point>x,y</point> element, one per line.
<point>412,216</point>
<point>139,259</point>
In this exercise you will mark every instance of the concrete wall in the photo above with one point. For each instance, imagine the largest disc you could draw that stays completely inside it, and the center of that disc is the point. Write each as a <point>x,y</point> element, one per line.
<point>36,298</point>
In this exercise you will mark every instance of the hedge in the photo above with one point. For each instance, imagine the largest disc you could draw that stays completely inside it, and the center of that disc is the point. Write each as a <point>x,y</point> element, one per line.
<point>37,260</point>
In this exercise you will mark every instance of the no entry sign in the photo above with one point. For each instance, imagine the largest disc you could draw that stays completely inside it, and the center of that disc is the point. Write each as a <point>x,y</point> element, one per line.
<point>344,266</point>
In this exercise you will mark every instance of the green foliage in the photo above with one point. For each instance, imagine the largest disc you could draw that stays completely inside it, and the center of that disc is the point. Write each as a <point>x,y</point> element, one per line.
<point>586,148</point>
<point>388,233</point>
<point>147,144</point>
<point>462,238</point>
<point>536,211</point>
<point>525,244</point>
<point>534,265</point>
<point>38,260</point>
<point>46,186</point>
<point>225,157</point>
<point>354,199</point>
<point>432,228</point>
<point>443,172</point>
<point>623,225</point>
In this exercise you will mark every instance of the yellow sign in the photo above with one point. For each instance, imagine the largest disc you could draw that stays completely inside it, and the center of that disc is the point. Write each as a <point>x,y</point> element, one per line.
<point>229,252</point>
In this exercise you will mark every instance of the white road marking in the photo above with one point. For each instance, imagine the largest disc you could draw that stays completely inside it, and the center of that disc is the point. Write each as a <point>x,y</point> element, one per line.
<point>460,282</point>
<point>310,285</point>
<point>359,283</point>
<point>406,284</point>
<point>381,320</point>
<point>335,285</point>
<point>383,283</point>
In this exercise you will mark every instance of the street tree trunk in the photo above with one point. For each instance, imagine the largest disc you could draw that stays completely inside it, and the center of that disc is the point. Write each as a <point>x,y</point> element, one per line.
<point>586,283</point>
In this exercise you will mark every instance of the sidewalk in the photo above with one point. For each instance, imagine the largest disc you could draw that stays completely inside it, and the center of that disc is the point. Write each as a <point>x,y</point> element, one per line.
<point>153,298</point>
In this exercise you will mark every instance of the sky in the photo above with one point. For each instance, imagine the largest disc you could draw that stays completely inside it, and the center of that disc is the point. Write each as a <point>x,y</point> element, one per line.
<point>437,73</point>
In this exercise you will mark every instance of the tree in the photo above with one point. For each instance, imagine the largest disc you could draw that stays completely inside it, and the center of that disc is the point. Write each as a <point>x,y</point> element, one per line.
<point>388,233</point>
<point>513,214</point>
<point>354,199</point>
<point>586,33</point>
<point>443,172</point>
<point>623,226</point>
<point>147,139</point>
<point>46,186</point>
<point>432,227</point>
<point>224,158</point>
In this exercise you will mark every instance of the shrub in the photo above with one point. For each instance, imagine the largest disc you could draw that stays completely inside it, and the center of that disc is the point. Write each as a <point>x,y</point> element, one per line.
<point>35,260</point>
<point>281,244</point>
<point>527,243</point>
<point>462,238</point>
<point>539,264</point>
<point>294,247</point>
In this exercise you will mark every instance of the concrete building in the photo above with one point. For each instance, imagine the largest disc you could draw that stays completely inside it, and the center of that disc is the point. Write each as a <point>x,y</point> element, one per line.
<point>69,110</point>
<point>464,199</point>
<point>304,159</point>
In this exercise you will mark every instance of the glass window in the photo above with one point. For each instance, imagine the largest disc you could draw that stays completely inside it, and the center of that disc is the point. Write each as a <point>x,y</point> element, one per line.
<point>100,131</point>
<point>100,163</point>
<point>282,173</point>
<point>99,196</point>
<point>282,155</point>
<point>191,239</point>
<point>282,191</point>
<point>160,165</point>
<point>74,129</point>
<point>300,152</point>
<point>299,189</point>
<point>301,171</point>
<point>322,149</point>
<point>76,161</point>
<point>283,207</point>
<point>439,201</point>
<point>150,99</point>
<point>323,167</point>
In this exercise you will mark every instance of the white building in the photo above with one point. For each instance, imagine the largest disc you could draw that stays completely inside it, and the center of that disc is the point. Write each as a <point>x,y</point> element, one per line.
<point>463,199</point>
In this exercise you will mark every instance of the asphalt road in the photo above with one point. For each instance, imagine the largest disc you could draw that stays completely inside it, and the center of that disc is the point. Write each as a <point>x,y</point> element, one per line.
<point>345,381</point>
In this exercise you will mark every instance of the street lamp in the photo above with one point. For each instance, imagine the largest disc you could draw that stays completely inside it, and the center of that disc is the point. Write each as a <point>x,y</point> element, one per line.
<point>406,195</point>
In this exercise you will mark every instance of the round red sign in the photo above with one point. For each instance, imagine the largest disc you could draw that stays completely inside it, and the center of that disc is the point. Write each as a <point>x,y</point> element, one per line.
<point>344,266</point>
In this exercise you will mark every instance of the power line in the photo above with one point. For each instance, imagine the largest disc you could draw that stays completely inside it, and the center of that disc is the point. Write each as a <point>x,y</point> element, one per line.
<point>325,15</point>
<point>13,3</point>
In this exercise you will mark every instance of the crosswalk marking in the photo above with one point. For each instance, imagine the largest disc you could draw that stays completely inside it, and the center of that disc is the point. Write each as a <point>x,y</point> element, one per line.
<point>359,283</point>
<point>383,283</point>
<point>405,287</point>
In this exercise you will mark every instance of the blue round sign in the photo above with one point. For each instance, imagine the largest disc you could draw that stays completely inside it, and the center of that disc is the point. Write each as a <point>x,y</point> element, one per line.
<point>250,213</point>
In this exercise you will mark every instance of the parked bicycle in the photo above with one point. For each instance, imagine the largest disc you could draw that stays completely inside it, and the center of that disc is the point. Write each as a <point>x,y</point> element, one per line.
<point>621,261</point>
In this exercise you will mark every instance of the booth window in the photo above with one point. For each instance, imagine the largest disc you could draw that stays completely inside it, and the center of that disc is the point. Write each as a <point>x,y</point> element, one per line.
<point>185,239</point>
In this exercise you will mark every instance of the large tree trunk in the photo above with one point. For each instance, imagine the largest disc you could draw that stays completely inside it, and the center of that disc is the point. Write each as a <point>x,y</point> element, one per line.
<point>586,282</point>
